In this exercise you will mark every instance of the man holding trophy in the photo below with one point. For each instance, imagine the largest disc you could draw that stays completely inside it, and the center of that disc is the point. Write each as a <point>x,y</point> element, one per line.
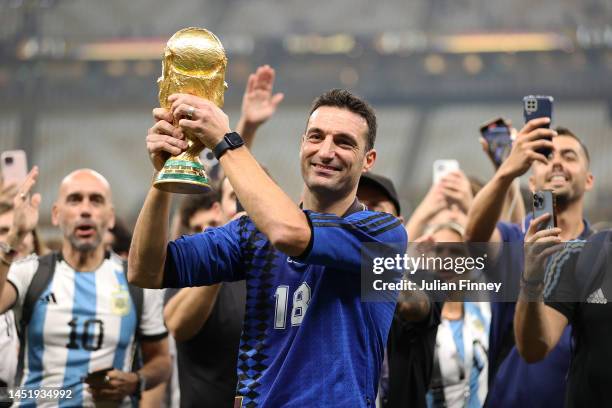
<point>303,295</point>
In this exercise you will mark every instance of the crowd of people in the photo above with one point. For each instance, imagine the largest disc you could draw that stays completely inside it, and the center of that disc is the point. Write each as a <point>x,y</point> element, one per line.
<point>242,297</point>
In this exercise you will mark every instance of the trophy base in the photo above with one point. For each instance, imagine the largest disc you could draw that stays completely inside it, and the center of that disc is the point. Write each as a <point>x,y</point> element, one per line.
<point>182,177</point>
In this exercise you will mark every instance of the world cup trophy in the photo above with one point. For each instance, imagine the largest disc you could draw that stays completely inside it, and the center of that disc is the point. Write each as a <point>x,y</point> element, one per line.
<point>194,63</point>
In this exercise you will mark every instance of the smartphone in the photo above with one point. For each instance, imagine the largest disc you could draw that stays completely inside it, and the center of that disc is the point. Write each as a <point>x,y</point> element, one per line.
<point>544,203</point>
<point>442,167</point>
<point>96,379</point>
<point>497,134</point>
<point>14,167</point>
<point>537,106</point>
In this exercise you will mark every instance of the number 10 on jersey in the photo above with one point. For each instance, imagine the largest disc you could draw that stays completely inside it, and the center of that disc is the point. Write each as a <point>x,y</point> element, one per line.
<point>301,298</point>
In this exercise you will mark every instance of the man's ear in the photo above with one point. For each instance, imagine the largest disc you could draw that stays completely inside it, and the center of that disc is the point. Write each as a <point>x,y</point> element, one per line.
<point>590,182</point>
<point>55,215</point>
<point>370,159</point>
<point>111,222</point>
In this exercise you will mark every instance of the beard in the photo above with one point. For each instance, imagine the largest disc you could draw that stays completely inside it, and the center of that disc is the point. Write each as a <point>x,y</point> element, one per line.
<point>567,196</point>
<point>81,245</point>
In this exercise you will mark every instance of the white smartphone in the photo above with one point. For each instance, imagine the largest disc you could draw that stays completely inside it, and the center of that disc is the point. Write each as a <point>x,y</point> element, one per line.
<point>14,165</point>
<point>442,167</point>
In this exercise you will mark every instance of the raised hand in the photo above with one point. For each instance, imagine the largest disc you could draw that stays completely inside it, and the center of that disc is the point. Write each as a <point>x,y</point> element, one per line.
<point>163,139</point>
<point>457,190</point>
<point>25,213</point>
<point>523,153</point>
<point>539,245</point>
<point>199,119</point>
<point>258,102</point>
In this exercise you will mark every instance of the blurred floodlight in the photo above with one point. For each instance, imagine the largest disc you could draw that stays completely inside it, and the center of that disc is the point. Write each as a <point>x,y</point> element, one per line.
<point>434,64</point>
<point>116,68</point>
<point>472,64</point>
<point>318,44</point>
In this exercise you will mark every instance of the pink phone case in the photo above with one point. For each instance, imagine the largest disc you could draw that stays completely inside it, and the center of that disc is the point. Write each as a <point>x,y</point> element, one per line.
<point>14,167</point>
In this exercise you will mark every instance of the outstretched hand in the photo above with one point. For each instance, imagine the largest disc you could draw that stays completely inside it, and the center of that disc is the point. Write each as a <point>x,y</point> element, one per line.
<point>25,211</point>
<point>258,102</point>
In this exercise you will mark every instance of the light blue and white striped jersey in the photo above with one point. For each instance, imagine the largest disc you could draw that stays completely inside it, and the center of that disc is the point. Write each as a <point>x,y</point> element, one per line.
<point>9,346</point>
<point>82,322</point>
<point>461,353</point>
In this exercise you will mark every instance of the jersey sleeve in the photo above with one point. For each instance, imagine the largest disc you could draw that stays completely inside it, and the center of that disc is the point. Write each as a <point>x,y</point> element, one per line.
<point>206,258</point>
<point>152,321</point>
<point>560,285</point>
<point>338,242</point>
<point>20,276</point>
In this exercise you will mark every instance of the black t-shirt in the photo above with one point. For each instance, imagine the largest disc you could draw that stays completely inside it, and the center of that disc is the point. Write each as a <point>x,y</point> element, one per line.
<point>579,285</point>
<point>207,362</point>
<point>410,351</point>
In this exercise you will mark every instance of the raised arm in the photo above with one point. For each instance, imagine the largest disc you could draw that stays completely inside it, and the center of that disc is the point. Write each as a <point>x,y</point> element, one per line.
<point>537,327</point>
<point>487,206</point>
<point>188,310</point>
<point>148,248</point>
<point>258,103</point>
<point>25,219</point>
<point>431,205</point>
<point>272,211</point>
<point>514,207</point>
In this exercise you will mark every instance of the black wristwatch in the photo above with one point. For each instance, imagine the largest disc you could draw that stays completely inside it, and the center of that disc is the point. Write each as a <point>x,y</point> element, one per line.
<point>230,141</point>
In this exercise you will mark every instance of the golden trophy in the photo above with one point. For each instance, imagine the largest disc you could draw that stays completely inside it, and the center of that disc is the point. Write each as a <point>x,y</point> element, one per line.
<point>194,63</point>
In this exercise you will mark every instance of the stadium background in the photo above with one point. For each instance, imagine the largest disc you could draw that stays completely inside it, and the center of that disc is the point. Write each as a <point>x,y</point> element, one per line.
<point>77,80</point>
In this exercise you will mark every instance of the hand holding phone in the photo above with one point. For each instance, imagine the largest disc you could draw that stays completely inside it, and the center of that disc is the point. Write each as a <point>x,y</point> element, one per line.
<point>544,203</point>
<point>497,136</point>
<point>98,379</point>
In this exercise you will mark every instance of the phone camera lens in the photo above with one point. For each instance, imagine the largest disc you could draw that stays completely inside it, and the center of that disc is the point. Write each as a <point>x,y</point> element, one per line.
<point>538,200</point>
<point>8,160</point>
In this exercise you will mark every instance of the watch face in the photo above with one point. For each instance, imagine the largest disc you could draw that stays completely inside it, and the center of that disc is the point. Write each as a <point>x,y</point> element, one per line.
<point>234,139</point>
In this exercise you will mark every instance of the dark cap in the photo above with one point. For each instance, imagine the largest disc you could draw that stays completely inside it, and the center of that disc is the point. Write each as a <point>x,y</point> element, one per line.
<point>383,184</point>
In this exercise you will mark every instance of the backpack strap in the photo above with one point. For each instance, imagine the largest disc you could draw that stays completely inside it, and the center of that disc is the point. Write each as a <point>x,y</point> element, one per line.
<point>41,279</point>
<point>137,295</point>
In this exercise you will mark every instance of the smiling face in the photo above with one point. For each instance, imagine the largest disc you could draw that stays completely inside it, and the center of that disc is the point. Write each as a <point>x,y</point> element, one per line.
<point>566,173</point>
<point>333,152</point>
<point>83,210</point>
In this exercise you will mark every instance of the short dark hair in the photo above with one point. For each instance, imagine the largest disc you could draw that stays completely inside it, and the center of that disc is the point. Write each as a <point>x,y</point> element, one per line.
<point>191,204</point>
<point>341,98</point>
<point>563,131</point>
<point>122,237</point>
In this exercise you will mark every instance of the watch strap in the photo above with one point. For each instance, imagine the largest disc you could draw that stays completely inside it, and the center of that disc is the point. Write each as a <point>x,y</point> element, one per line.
<point>227,144</point>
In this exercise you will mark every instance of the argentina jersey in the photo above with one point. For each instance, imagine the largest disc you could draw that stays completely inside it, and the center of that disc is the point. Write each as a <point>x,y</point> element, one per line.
<point>307,338</point>
<point>82,322</point>
<point>460,364</point>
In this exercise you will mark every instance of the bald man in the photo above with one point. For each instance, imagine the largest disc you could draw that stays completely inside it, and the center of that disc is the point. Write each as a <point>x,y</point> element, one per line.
<point>82,319</point>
